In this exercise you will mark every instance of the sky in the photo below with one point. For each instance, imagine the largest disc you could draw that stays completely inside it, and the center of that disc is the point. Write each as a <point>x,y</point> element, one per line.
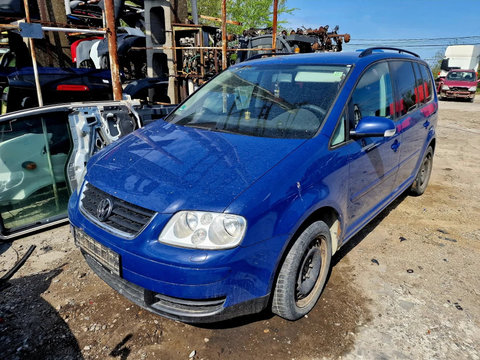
<point>422,26</point>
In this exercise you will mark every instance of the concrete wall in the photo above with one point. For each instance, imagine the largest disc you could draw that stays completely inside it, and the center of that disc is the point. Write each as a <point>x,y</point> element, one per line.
<point>159,17</point>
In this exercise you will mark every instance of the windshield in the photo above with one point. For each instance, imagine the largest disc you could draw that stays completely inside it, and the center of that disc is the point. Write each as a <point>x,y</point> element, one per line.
<point>277,101</point>
<point>461,76</point>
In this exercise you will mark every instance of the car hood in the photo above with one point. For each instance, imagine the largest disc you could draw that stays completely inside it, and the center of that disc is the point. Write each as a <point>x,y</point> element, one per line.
<point>460,83</point>
<point>166,168</point>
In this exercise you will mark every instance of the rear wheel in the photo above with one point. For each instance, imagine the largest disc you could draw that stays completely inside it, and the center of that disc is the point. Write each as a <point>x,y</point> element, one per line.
<point>303,273</point>
<point>423,176</point>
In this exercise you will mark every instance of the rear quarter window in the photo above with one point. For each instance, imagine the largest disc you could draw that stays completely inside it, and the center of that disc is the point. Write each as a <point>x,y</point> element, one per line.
<point>427,82</point>
<point>419,88</point>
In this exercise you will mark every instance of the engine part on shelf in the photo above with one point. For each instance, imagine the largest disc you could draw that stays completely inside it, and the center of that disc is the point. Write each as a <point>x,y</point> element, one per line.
<point>198,64</point>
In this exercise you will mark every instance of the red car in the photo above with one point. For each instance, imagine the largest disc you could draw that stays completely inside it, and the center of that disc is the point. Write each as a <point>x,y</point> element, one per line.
<point>459,84</point>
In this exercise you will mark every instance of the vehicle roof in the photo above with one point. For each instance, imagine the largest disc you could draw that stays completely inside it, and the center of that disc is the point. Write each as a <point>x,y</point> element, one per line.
<point>330,58</point>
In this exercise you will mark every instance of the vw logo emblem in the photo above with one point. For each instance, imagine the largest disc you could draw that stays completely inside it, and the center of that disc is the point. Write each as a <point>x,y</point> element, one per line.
<point>104,209</point>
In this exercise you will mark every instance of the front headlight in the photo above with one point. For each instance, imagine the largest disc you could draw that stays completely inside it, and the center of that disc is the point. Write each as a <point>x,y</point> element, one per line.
<point>445,87</point>
<point>473,89</point>
<point>204,230</point>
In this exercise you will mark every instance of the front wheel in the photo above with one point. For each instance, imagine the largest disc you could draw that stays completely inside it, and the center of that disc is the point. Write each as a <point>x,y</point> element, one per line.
<point>303,273</point>
<point>423,176</point>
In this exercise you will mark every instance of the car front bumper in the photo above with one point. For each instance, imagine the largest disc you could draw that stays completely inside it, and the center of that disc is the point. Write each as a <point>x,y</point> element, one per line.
<point>186,310</point>
<point>457,94</point>
<point>190,285</point>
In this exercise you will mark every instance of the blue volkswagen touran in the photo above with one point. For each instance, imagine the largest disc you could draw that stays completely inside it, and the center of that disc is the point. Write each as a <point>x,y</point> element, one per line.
<point>238,199</point>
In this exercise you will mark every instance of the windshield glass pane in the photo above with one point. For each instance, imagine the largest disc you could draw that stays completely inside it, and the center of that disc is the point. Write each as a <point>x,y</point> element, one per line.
<point>278,101</point>
<point>461,76</point>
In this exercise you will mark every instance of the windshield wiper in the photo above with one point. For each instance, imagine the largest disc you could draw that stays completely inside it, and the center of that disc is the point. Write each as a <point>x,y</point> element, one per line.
<point>209,128</point>
<point>197,126</point>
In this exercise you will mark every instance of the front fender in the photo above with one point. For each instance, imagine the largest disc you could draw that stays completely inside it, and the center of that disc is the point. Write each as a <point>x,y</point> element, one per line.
<point>310,178</point>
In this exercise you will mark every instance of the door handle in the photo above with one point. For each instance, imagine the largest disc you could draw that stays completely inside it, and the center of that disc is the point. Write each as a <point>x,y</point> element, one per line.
<point>426,124</point>
<point>395,145</point>
<point>368,147</point>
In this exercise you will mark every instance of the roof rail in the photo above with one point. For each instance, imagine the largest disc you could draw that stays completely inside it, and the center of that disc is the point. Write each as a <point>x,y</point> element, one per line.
<point>259,56</point>
<point>369,51</point>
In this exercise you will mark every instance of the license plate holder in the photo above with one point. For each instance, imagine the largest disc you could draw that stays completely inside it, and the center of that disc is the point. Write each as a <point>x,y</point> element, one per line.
<point>108,258</point>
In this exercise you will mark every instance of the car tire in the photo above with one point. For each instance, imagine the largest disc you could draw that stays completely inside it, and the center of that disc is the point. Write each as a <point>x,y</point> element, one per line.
<point>303,273</point>
<point>423,175</point>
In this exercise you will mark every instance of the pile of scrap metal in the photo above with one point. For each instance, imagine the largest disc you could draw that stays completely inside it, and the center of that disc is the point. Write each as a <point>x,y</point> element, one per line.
<point>17,84</point>
<point>90,12</point>
<point>319,39</point>
<point>201,65</point>
<point>92,51</point>
<point>72,84</point>
<point>297,41</point>
<point>84,76</point>
<point>66,85</point>
<point>197,63</point>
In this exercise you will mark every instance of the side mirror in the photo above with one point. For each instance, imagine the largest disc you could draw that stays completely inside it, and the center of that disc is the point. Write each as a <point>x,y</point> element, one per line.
<point>374,126</point>
<point>444,65</point>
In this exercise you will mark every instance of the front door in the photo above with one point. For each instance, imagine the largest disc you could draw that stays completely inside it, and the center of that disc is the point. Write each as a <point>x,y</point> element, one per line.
<point>374,160</point>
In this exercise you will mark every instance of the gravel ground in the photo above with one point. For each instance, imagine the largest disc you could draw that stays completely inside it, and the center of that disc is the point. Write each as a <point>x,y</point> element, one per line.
<point>407,286</point>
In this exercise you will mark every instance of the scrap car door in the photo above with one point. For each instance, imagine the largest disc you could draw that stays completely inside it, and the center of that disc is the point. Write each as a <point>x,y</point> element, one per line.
<point>34,149</point>
<point>44,152</point>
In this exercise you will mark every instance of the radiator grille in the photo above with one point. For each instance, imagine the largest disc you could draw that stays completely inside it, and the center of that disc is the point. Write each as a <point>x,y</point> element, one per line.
<point>124,218</point>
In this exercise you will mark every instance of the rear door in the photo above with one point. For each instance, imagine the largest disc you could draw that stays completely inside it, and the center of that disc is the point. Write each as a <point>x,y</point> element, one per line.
<point>414,97</point>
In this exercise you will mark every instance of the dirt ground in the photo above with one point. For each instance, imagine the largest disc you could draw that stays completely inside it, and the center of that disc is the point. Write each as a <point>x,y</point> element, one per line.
<point>407,286</point>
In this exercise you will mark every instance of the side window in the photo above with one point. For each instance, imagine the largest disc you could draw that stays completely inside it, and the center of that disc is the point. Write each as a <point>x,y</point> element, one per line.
<point>419,88</point>
<point>427,81</point>
<point>339,135</point>
<point>404,78</point>
<point>373,95</point>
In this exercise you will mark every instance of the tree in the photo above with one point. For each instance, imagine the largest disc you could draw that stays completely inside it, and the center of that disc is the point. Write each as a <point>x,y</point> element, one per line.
<point>437,61</point>
<point>251,13</point>
<point>210,8</point>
